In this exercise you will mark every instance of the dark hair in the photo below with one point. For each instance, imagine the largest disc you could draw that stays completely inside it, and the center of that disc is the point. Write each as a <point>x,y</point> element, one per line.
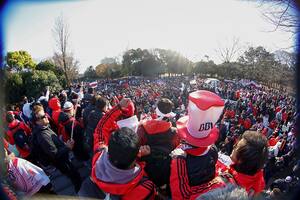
<point>123,147</point>
<point>100,102</point>
<point>251,152</point>
<point>165,105</point>
<point>90,90</point>
<point>9,117</point>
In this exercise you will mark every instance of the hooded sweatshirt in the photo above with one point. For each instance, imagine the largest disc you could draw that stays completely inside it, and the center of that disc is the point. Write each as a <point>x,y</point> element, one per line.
<point>54,104</point>
<point>159,135</point>
<point>126,184</point>
<point>162,139</point>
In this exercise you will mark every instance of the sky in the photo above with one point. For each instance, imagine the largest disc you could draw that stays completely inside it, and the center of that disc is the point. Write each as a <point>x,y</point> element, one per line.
<point>102,28</point>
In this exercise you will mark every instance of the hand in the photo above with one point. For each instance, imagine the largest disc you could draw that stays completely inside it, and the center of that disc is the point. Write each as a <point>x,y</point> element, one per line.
<point>124,103</point>
<point>48,87</point>
<point>177,152</point>
<point>70,144</point>
<point>144,150</point>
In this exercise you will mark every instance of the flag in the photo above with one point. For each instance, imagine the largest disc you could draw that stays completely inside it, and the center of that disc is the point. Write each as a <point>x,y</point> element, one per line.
<point>93,84</point>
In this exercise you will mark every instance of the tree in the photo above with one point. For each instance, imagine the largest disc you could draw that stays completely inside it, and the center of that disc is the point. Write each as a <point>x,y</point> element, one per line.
<point>108,60</point>
<point>287,59</point>
<point>14,87</point>
<point>283,14</point>
<point>174,62</point>
<point>36,81</point>
<point>203,67</point>
<point>29,83</point>
<point>102,70</point>
<point>140,62</point>
<point>71,63</point>
<point>260,65</point>
<point>63,58</point>
<point>90,73</point>
<point>48,65</point>
<point>229,52</point>
<point>19,60</point>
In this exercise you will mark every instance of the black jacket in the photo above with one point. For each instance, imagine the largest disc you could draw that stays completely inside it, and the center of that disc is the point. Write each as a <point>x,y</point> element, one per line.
<point>92,121</point>
<point>47,148</point>
<point>201,169</point>
<point>86,113</point>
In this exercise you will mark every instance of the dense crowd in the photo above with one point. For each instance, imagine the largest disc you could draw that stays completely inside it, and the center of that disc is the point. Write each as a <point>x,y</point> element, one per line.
<point>160,138</point>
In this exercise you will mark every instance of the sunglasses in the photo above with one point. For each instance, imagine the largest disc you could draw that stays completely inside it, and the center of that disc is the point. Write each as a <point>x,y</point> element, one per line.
<point>42,117</point>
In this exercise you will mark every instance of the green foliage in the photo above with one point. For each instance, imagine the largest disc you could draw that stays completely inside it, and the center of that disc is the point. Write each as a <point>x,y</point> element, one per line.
<point>48,65</point>
<point>145,62</point>
<point>14,87</point>
<point>203,67</point>
<point>19,60</point>
<point>30,84</point>
<point>260,64</point>
<point>174,62</point>
<point>90,73</point>
<point>36,81</point>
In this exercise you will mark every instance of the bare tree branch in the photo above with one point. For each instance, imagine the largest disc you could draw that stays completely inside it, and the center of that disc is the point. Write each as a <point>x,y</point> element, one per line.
<point>281,13</point>
<point>61,35</point>
<point>230,52</point>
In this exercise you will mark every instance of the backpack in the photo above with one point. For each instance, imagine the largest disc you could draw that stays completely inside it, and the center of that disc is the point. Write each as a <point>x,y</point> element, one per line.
<point>20,137</point>
<point>158,162</point>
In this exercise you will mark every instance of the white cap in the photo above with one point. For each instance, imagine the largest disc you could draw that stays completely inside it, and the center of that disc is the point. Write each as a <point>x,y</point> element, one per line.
<point>68,105</point>
<point>162,115</point>
<point>288,179</point>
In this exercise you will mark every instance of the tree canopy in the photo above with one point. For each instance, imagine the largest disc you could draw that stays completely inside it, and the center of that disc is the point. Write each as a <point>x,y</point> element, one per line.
<point>19,60</point>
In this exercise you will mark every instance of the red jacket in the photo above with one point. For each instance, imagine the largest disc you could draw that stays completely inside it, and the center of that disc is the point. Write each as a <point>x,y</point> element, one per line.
<point>138,188</point>
<point>179,182</point>
<point>12,128</point>
<point>55,117</point>
<point>252,184</point>
<point>54,104</point>
<point>106,126</point>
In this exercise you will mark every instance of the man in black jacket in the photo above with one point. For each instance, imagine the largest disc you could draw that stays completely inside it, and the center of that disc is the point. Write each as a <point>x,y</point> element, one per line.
<point>93,118</point>
<point>48,149</point>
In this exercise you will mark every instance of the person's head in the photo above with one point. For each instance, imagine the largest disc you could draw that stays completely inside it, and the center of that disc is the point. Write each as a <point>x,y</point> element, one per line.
<point>37,107</point>
<point>10,117</point>
<point>63,96</point>
<point>100,102</point>
<point>90,90</point>
<point>165,105</point>
<point>123,148</point>
<point>24,99</point>
<point>275,193</point>
<point>69,108</point>
<point>40,116</point>
<point>250,153</point>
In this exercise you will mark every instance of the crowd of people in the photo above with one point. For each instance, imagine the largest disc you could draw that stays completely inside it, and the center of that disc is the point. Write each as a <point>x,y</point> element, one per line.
<point>159,138</point>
